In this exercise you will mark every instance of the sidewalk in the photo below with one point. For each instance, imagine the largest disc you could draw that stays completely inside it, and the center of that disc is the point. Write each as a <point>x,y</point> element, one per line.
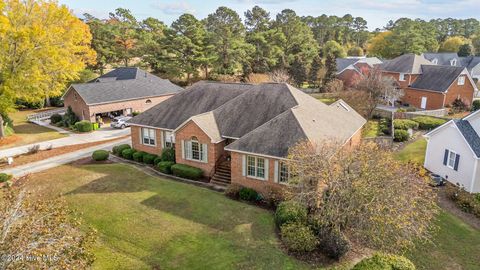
<point>74,138</point>
<point>60,160</point>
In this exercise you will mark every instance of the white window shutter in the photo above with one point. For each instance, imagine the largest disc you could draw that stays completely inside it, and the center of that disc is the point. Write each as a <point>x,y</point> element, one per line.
<point>162,138</point>
<point>141,135</point>
<point>275,171</point>
<point>244,161</point>
<point>189,150</point>
<point>205,152</point>
<point>267,171</point>
<point>183,149</point>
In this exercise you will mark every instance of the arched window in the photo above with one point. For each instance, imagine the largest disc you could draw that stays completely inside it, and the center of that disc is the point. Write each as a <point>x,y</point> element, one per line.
<point>195,150</point>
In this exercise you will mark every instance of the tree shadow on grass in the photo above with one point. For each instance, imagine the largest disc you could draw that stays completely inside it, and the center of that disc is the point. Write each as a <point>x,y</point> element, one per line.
<point>28,128</point>
<point>110,184</point>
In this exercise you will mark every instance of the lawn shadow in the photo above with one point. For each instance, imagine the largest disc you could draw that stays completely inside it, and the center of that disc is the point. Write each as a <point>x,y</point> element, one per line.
<point>110,184</point>
<point>28,128</point>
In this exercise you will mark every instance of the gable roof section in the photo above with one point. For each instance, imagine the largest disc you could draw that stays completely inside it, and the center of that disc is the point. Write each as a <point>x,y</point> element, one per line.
<point>124,84</point>
<point>247,112</point>
<point>437,78</point>
<point>443,58</point>
<point>469,134</point>
<point>343,63</point>
<point>200,98</point>
<point>407,63</point>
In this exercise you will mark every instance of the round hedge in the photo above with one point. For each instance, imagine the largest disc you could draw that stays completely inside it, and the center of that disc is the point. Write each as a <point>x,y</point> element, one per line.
<point>149,158</point>
<point>290,211</point>
<point>381,261</point>
<point>83,126</point>
<point>298,237</point>
<point>248,194</point>
<point>401,135</point>
<point>405,124</point>
<point>55,118</point>
<point>138,156</point>
<point>117,150</point>
<point>5,177</point>
<point>128,153</point>
<point>168,154</point>
<point>165,167</point>
<point>100,155</point>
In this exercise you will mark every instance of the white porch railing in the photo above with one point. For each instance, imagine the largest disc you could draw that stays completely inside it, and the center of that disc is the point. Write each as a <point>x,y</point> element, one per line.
<point>45,115</point>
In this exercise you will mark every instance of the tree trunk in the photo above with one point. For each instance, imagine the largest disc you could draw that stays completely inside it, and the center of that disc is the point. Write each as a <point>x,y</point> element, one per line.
<point>47,101</point>
<point>2,128</point>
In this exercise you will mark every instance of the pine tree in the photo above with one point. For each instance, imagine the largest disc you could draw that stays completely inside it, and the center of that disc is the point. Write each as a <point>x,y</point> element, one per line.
<point>313,75</point>
<point>331,66</point>
<point>298,71</point>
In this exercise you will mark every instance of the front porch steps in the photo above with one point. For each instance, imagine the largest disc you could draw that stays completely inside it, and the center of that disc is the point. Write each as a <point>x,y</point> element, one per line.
<point>222,176</point>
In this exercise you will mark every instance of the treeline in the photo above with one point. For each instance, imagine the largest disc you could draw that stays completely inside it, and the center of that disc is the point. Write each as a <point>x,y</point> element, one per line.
<point>223,45</point>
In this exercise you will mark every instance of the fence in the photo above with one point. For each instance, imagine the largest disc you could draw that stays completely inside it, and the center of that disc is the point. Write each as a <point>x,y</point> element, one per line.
<point>45,115</point>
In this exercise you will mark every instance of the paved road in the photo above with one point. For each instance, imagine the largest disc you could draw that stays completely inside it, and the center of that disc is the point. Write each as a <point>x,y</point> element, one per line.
<point>74,138</point>
<point>60,160</point>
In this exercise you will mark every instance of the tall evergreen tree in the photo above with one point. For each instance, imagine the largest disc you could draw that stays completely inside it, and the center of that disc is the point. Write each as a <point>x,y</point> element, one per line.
<point>298,71</point>
<point>331,68</point>
<point>315,68</point>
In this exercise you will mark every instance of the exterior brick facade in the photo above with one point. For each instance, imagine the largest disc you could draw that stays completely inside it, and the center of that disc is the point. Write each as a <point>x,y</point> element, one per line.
<point>88,112</point>
<point>349,77</point>
<point>137,141</point>
<point>413,97</point>
<point>214,152</point>
<point>464,92</point>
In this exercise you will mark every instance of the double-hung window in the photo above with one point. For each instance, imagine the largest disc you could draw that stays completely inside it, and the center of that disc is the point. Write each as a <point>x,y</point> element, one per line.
<point>256,167</point>
<point>168,139</point>
<point>283,173</point>
<point>194,150</point>
<point>401,77</point>
<point>461,80</point>
<point>148,136</point>
<point>451,159</point>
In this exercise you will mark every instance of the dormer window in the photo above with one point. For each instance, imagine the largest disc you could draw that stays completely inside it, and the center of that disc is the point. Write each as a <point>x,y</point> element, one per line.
<point>453,62</point>
<point>461,80</point>
<point>435,61</point>
<point>401,77</point>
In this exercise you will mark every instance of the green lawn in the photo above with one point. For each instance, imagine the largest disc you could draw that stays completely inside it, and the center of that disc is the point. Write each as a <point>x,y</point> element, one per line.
<point>26,133</point>
<point>414,151</point>
<point>145,222</point>
<point>455,246</point>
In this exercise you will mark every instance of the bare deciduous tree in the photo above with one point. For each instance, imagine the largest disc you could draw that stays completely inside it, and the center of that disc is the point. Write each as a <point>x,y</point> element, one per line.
<point>364,193</point>
<point>334,86</point>
<point>40,233</point>
<point>280,76</point>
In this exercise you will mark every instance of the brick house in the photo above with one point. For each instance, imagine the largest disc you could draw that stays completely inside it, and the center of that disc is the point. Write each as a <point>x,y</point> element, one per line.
<point>428,86</point>
<point>119,92</point>
<point>350,69</point>
<point>241,133</point>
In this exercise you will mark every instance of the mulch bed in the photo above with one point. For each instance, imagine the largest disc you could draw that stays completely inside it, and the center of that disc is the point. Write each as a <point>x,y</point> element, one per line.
<point>89,160</point>
<point>45,154</point>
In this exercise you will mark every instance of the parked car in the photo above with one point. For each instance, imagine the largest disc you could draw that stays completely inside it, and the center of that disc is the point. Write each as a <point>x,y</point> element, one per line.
<point>120,122</point>
<point>436,180</point>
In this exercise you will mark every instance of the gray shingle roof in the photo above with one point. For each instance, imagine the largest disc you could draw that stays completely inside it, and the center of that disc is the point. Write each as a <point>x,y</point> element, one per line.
<point>469,134</point>
<point>443,58</point>
<point>407,63</point>
<point>343,63</point>
<point>437,78</point>
<point>199,98</point>
<point>124,84</point>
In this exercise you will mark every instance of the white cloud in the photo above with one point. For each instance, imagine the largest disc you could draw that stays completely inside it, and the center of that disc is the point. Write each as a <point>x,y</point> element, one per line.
<point>176,8</point>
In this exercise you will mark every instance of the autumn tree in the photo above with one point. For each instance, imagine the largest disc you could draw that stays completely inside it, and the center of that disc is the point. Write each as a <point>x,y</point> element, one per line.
<point>452,44</point>
<point>333,48</point>
<point>41,228</point>
<point>379,45</point>
<point>44,46</point>
<point>355,51</point>
<point>375,85</point>
<point>363,193</point>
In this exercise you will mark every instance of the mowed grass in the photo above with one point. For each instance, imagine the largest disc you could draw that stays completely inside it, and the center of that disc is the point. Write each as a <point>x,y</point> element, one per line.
<point>414,152</point>
<point>371,129</point>
<point>456,245</point>
<point>145,222</point>
<point>25,132</point>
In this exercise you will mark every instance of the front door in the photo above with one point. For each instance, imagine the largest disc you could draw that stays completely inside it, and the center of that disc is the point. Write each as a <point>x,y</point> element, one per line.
<point>423,105</point>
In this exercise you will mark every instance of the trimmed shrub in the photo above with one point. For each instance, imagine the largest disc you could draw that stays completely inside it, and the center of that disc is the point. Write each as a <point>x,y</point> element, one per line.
<point>56,118</point>
<point>186,171</point>
<point>248,194</point>
<point>138,156</point>
<point>100,155</point>
<point>476,105</point>
<point>385,126</point>
<point>5,177</point>
<point>69,118</point>
<point>289,212</point>
<point>157,160</point>
<point>333,243</point>
<point>165,167</point>
<point>83,126</point>
<point>128,153</point>
<point>298,237</point>
<point>117,150</point>
<point>405,124</point>
<point>401,135</point>
<point>233,191</point>
<point>149,158</point>
<point>381,261</point>
<point>427,123</point>
<point>168,154</point>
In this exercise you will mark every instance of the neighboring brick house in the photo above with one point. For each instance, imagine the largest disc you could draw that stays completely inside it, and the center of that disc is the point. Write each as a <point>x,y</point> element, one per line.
<point>472,63</point>
<point>119,92</point>
<point>351,69</point>
<point>241,133</point>
<point>428,86</point>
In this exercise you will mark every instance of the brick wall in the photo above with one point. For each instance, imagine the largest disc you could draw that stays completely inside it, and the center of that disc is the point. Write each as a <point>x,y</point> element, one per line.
<point>86,112</point>
<point>464,92</point>
<point>349,77</point>
<point>79,107</point>
<point>215,150</point>
<point>137,142</point>
<point>355,139</point>
<point>261,186</point>
<point>409,78</point>
<point>414,98</point>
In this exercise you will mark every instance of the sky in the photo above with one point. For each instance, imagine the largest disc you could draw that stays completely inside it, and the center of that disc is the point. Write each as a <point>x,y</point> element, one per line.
<point>377,13</point>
